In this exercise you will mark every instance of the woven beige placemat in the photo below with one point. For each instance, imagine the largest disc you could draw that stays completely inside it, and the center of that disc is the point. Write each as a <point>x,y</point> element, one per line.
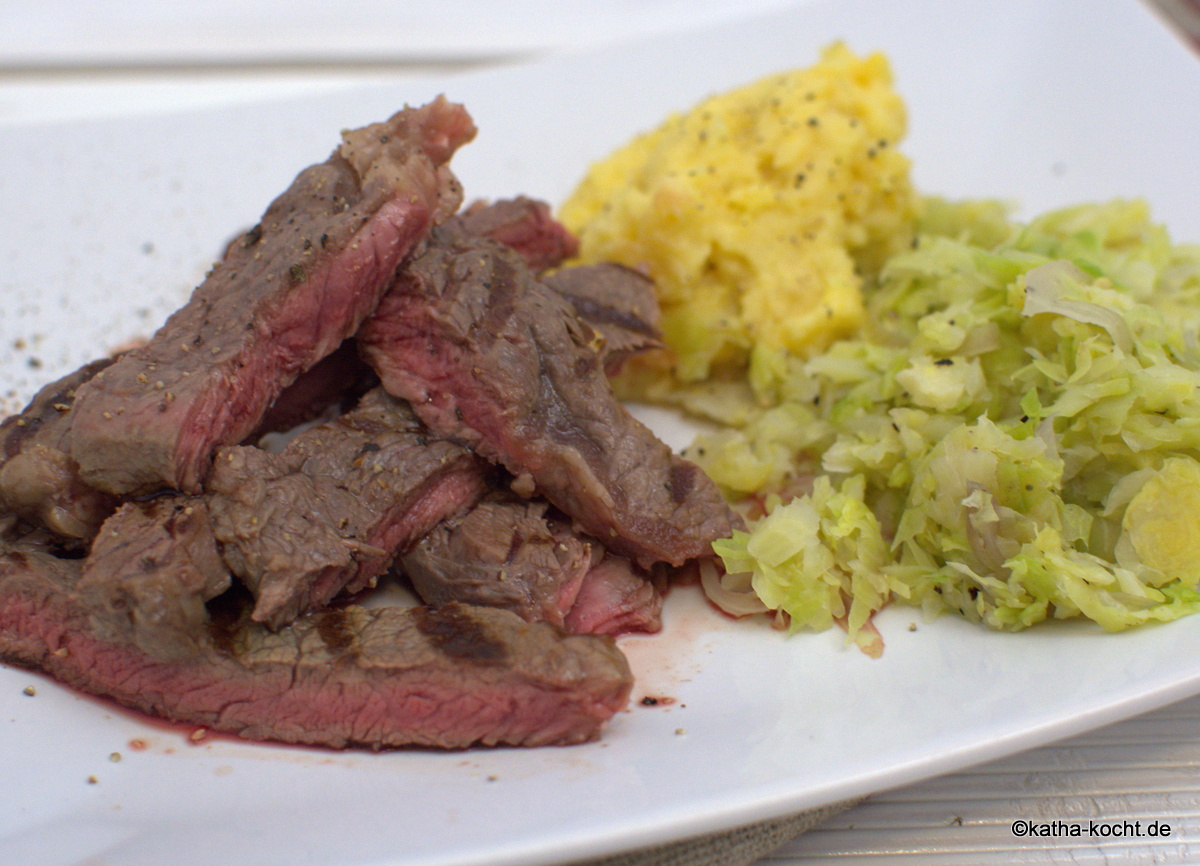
<point>739,847</point>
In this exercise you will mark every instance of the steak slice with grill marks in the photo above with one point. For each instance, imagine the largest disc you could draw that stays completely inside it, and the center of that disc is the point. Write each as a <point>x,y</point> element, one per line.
<point>286,296</point>
<point>618,302</point>
<point>488,355</point>
<point>329,512</point>
<point>388,677</point>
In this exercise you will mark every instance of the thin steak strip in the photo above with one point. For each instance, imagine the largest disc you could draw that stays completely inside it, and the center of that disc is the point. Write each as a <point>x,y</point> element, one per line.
<point>286,296</point>
<point>329,512</point>
<point>488,355</point>
<point>389,677</point>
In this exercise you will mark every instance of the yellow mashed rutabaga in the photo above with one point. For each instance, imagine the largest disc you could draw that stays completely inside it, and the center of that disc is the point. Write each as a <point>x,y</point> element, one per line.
<point>758,212</point>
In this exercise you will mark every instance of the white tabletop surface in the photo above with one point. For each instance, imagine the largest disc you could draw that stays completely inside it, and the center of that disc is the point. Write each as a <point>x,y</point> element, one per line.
<point>62,60</point>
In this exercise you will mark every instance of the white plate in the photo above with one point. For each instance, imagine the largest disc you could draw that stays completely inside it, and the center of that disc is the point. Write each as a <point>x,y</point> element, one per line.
<point>107,226</point>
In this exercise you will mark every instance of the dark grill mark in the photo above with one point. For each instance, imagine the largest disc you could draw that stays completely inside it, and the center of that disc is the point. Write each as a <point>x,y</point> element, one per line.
<point>453,631</point>
<point>334,630</point>
<point>592,311</point>
<point>683,480</point>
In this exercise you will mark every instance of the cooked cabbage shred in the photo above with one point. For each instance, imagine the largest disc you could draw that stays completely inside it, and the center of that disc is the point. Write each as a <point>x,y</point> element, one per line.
<point>1013,436</point>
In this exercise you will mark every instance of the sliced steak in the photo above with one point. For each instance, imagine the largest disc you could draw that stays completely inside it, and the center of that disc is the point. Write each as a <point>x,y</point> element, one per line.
<point>520,555</point>
<point>296,286</point>
<point>329,512</point>
<point>503,553</point>
<point>618,302</point>
<point>528,227</point>
<point>522,224</point>
<point>488,355</point>
<point>379,678</point>
<point>38,478</point>
<point>616,598</point>
<point>150,571</point>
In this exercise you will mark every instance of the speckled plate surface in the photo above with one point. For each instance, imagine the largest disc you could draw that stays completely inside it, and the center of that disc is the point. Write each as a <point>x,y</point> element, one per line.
<point>108,225</point>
